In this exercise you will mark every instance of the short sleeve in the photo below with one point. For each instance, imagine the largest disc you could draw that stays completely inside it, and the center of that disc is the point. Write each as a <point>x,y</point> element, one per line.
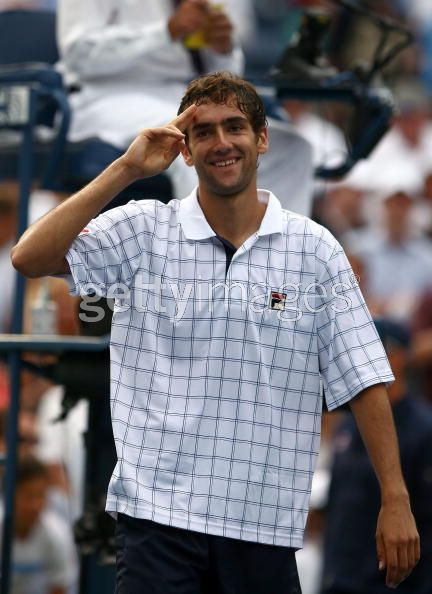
<point>108,252</point>
<point>351,355</point>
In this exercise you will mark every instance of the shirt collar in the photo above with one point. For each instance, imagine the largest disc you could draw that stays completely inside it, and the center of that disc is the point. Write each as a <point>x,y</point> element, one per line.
<point>195,225</point>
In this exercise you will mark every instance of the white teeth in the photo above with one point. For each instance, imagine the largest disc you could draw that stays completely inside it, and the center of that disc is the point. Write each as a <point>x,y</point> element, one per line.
<point>225,163</point>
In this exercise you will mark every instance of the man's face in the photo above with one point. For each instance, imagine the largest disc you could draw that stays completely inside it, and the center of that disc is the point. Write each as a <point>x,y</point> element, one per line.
<point>224,149</point>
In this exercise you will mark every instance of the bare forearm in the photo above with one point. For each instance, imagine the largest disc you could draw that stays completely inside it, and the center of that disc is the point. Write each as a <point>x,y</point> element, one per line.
<point>397,539</point>
<point>41,249</point>
<point>374,418</point>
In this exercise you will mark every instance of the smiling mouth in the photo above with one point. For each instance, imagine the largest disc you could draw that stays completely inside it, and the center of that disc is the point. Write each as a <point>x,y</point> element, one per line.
<point>225,163</point>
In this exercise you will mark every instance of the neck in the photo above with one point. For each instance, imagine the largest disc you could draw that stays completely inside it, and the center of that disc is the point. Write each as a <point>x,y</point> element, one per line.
<point>235,217</point>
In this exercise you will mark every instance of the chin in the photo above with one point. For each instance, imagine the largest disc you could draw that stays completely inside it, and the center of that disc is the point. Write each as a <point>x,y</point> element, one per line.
<point>229,189</point>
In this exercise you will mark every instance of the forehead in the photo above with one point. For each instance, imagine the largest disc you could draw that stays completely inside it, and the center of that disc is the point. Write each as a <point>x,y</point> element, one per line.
<point>215,113</point>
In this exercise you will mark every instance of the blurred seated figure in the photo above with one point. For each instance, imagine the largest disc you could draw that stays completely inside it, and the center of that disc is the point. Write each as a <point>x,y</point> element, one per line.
<point>44,557</point>
<point>397,262</point>
<point>328,144</point>
<point>350,561</point>
<point>404,156</point>
<point>398,265</point>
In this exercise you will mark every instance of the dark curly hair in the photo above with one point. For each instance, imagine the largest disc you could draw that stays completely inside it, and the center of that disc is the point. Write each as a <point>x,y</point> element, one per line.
<point>221,88</point>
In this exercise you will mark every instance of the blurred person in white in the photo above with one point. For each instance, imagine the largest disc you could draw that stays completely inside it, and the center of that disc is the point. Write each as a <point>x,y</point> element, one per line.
<point>328,144</point>
<point>128,66</point>
<point>44,557</point>
<point>404,156</point>
<point>398,265</point>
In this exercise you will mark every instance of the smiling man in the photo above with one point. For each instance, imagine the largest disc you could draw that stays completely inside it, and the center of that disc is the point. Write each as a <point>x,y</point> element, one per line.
<point>216,412</point>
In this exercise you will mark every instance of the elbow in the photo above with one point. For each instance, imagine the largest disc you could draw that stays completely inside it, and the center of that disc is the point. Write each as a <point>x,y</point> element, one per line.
<point>22,263</point>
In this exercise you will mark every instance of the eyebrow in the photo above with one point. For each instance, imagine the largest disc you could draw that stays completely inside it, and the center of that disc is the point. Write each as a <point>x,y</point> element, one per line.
<point>232,120</point>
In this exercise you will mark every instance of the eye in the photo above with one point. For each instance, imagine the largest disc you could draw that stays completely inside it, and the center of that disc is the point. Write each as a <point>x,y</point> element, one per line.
<point>202,134</point>
<point>235,128</point>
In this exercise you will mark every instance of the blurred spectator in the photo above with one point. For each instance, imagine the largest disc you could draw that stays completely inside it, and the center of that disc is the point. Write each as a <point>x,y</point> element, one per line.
<point>44,558</point>
<point>404,157</point>
<point>398,266</point>
<point>341,210</point>
<point>350,560</point>
<point>328,144</point>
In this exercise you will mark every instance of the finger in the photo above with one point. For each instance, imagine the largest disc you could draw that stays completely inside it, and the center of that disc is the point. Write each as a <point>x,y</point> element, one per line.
<point>392,578</point>
<point>403,563</point>
<point>381,553</point>
<point>167,131</point>
<point>417,549</point>
<point>182,121</point>
<point>412,558</point>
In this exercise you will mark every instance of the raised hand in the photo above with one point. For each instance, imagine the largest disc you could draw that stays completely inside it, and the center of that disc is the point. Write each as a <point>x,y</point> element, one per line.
<point>218,31</point>
<point>155,149</point>
<point>190,16</point>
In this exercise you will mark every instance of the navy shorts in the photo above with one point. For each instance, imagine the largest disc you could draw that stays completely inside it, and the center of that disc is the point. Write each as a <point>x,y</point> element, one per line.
<point>161,559</point>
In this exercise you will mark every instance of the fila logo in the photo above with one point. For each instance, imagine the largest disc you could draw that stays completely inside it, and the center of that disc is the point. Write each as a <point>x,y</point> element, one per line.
<point>277,300</point>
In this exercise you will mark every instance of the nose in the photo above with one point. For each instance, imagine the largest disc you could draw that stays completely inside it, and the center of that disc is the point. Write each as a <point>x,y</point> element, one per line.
<point>222,141</point>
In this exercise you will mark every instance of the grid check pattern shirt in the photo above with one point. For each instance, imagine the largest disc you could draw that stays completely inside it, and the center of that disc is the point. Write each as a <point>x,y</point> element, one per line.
<point>215,374</point>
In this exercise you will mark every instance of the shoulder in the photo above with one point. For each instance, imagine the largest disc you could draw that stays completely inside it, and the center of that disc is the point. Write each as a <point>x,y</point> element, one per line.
<point>150,209</point>
<point>315,238</point>
<point>133,217</point>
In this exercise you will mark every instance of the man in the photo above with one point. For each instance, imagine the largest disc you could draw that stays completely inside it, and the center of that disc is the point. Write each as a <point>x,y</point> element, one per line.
<point>350,564</point>
<point>227,311</point>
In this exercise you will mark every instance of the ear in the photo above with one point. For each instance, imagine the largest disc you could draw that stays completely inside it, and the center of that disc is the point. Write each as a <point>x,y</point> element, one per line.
<point>187,157</point>
<point>262,141</point>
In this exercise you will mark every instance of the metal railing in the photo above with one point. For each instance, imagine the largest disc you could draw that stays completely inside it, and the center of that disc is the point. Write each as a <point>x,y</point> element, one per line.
<point>15,345</point>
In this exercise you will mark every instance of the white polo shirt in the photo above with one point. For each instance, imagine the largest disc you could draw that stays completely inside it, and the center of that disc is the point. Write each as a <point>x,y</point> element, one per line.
<point>215,374</point>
